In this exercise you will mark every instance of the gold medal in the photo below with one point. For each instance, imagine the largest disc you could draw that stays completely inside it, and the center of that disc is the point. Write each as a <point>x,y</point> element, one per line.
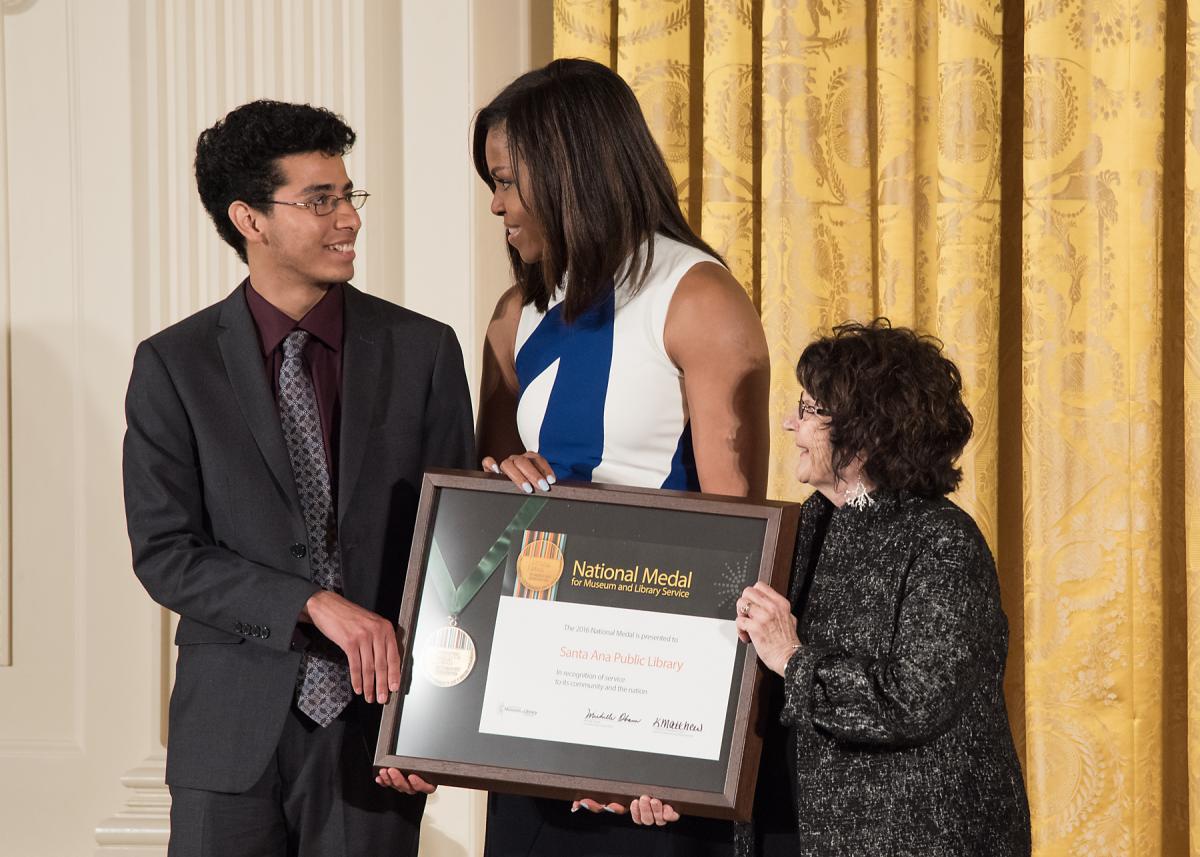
<point>449,657</point>
<point>540,565</point>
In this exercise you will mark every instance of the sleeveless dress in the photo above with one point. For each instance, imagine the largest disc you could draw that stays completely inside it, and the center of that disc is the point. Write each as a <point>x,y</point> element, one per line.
<point>602,401</point>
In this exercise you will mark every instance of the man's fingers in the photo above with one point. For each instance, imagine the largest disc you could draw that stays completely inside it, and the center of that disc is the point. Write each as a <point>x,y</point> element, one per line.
<point>410,784</point>
<point>393,778</point>
<point>669,813</point>
<point>354,661</point>
<point>381,664</point>
<point>393,663</point>
<point>366,650</point>
<point>419,785</point>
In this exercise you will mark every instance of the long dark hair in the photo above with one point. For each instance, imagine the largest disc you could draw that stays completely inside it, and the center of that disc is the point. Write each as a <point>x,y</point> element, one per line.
<point>600,186</point>
<point>894,397</point>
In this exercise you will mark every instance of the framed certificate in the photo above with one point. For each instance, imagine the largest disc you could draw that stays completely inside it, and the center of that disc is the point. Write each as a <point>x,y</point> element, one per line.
<point>581,643</point>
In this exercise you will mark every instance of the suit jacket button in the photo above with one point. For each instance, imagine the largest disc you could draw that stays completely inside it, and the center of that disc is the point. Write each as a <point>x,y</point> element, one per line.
<point>239,628</point>
<point>299,551</point>
<point>266,632</point>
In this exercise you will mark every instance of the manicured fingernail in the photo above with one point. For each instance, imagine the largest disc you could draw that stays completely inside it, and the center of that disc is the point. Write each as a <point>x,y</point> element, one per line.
<point>609,809</point>
<point>543,484</point>
<point>552,479</point>
<point>495,468</point>
<point>575,807</point>
<point>526,487</point>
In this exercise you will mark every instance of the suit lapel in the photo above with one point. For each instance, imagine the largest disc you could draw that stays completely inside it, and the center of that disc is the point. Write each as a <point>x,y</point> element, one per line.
<point>243,359</point>
<point>361,360</point>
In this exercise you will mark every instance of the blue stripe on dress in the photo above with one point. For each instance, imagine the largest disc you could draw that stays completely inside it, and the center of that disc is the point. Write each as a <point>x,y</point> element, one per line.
<point>683,475</point>
<point>572,432</point>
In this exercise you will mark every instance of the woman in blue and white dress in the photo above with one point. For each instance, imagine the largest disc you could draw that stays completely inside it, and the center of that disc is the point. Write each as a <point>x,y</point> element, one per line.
<point>626,353</point>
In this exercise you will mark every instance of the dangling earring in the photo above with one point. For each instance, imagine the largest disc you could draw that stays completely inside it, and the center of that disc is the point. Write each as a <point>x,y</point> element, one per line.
<point>858,497</point>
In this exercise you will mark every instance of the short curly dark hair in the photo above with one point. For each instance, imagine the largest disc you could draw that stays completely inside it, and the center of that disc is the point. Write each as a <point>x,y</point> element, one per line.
<point>237,158</point>
<point>893,397</point>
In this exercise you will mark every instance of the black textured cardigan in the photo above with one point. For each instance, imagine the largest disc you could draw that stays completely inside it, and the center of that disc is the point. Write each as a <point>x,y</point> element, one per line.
<point>893,706</point>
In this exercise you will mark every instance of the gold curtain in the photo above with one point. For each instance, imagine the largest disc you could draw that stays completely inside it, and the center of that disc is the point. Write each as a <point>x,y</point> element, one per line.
<point>1022,180</point>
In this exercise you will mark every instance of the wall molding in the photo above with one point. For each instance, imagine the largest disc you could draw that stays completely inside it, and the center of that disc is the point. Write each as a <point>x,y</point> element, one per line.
<point>16,7</point>
<point>145,820</point>
<point>24,748</point>
<point>6,608</point>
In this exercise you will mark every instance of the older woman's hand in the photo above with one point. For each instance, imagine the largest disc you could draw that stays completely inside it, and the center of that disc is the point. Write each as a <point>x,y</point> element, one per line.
<point>765,620</point>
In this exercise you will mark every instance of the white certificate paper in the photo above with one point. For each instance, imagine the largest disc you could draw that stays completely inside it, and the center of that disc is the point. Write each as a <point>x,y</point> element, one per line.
<point>609,677</point>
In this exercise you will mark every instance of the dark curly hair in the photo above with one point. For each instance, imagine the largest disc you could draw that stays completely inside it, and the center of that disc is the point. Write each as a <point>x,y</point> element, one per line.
<point>894,398</point>
<point>237,158</point>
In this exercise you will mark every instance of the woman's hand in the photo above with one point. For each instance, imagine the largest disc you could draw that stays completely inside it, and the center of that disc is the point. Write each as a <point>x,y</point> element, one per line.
<point>595,806</point>
<point>765,620</point>
<point>410,784</point>
<point>526,470</point>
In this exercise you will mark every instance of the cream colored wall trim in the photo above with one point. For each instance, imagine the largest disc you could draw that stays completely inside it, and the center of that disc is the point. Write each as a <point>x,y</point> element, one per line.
<point>145,819</point>
<point>5,378</point>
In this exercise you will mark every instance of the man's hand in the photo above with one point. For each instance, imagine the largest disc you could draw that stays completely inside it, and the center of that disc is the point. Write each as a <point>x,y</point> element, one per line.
<point>368,640</point>
<point>410,784</point>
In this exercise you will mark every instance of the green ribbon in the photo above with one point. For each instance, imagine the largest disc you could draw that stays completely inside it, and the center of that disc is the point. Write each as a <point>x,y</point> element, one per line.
<point>458,597</point>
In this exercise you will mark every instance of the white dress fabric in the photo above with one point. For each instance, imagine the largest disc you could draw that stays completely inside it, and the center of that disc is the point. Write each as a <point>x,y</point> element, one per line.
<point>600,398</point>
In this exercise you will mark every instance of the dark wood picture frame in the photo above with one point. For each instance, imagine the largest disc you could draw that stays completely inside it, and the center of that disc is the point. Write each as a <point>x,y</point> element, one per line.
<point>736,798</point>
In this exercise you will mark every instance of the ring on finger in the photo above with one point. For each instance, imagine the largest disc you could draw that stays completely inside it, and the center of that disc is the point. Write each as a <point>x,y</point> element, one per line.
<point>744,609</point>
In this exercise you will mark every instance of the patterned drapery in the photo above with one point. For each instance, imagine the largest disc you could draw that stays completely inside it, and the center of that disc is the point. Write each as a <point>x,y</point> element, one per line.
<point>1022,180</point>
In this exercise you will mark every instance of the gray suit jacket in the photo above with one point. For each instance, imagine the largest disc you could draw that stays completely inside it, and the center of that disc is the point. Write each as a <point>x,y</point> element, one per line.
<point>216,526</point>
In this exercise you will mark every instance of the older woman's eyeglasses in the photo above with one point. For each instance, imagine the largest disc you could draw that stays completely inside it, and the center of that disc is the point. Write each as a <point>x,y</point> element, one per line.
<point>325,203</point>
<point>805,409</point>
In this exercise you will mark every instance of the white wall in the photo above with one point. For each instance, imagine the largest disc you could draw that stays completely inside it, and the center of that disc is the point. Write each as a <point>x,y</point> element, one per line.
<point>102,242</point>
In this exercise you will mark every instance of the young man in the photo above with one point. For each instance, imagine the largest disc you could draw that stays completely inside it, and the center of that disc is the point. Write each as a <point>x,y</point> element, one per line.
<point>273,460</point>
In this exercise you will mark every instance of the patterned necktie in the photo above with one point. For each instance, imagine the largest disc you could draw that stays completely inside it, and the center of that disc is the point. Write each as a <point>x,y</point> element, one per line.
<point>323,686</point>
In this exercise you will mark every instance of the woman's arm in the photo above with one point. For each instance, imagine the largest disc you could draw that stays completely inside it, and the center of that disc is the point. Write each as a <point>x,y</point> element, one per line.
<point>946,624</point>
<point>713,334</point>
<point>496,429</point>
<point>499,441</point>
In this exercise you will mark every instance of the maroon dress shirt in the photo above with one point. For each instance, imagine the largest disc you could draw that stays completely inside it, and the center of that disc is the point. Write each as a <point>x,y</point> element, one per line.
<point>322,357</point>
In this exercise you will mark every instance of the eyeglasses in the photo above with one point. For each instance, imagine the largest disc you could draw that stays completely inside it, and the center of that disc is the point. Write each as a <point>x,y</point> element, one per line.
<point>325,203</point>
<point>805,409</point>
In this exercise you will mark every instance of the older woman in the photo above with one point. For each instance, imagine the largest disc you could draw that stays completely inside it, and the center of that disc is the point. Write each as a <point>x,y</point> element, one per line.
<point>891,647</point>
